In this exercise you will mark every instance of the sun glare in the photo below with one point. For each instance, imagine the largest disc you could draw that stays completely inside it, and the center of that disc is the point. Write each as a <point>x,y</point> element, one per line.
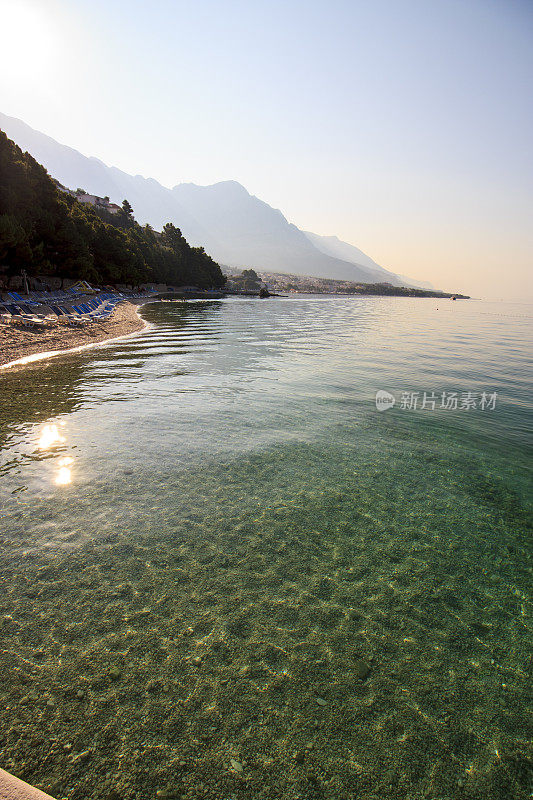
<point>49,436</point>
<point>64,476</point>
<point>31,47</point>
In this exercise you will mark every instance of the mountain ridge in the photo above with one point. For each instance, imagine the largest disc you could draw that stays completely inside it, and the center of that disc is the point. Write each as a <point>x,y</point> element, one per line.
<point>235,227</point>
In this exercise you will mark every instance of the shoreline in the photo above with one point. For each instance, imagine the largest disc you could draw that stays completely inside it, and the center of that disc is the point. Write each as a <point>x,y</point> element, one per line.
<point>20,346</point>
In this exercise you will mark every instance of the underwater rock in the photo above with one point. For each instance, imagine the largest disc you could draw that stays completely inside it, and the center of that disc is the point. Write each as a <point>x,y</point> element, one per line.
<point>236,765</point>
<point>362,669</point>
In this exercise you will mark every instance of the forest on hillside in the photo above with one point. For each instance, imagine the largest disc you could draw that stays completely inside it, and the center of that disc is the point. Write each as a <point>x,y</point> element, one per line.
<point>48,232</point>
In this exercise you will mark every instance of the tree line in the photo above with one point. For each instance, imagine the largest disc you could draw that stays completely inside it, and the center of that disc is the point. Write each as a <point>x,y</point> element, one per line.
<point>48,232</point>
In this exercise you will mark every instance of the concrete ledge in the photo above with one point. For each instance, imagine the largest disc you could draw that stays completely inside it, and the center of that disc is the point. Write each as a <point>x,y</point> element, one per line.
<point>12,788</point>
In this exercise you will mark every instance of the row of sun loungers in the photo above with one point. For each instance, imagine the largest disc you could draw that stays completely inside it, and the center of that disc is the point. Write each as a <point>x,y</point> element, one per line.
<point>70,306</point>
<point>25,316</point>
<point>66,295</point>
<point>25,311</point>
<point>38,298</point>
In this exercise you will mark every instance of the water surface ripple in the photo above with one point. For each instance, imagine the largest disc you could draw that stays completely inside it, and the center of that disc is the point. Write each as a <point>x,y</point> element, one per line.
<point>225,574</point>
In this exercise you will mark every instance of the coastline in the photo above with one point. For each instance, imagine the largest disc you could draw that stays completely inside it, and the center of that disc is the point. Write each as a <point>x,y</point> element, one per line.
<point>20,346</point>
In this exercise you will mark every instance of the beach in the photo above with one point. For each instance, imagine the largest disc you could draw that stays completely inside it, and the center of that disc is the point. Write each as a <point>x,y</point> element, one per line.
<point>18,342</point>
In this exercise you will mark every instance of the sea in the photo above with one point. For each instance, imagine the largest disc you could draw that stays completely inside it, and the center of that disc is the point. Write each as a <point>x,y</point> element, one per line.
<point>275,549</point>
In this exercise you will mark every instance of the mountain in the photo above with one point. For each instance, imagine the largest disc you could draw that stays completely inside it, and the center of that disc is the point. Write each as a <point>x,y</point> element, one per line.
<point>243,231</point>
<point>235,228</point>
<point>48,231</point>
<point>333,246</point>
<point>151,202</point>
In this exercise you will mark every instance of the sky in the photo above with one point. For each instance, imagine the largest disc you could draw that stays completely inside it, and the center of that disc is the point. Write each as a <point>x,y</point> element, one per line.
<point>404,127</point>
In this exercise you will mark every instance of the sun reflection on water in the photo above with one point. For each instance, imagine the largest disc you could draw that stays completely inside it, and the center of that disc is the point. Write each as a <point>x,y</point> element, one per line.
<point>50,436</point>
<point>64,476</point>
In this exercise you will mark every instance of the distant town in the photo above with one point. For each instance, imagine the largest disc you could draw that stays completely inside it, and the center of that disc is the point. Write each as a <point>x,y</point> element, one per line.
<point>251,281</point>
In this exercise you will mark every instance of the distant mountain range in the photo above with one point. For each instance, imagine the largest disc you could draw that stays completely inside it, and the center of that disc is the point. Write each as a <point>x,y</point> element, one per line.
<point>235,228</point>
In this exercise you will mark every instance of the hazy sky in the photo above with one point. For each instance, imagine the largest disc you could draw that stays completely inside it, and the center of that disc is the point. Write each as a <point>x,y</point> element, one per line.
<point>402,126</point>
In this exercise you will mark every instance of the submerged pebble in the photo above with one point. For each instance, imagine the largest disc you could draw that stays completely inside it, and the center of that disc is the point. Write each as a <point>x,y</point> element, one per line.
<point>361,669</point>
<point>83,756</point>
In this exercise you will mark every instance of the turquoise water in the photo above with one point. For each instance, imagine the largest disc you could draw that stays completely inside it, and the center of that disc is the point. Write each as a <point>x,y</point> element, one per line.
<point>226,575</point>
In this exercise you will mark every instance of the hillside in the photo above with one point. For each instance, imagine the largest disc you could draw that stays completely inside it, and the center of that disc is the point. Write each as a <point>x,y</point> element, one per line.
<point>235,227</point>
<point>45,230</point>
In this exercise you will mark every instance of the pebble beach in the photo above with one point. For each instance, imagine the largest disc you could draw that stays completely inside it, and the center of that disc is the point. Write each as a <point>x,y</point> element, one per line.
<point>19,342</point>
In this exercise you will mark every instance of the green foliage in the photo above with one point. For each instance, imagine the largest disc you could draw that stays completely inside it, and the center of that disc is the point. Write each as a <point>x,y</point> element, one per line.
<point>250,274</point>
<point>47,231</point>
<point>127,209</point>
<point>248,281</point>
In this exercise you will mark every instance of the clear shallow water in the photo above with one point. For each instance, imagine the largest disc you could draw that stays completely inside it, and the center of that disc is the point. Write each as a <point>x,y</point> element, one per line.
<point>238,533</point>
